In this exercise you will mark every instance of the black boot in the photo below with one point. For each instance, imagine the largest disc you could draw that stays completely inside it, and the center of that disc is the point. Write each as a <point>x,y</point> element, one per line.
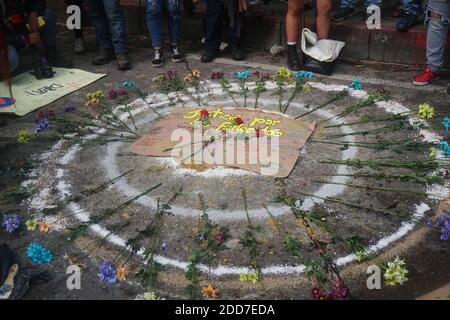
<point>237,53</point>
<point>293,61</point>
<point>209,55</point>
<point>320,67</point>
<point>104,56</point>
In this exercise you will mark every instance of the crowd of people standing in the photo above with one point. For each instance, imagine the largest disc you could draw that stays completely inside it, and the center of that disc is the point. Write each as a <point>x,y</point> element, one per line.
<point>29,23</point>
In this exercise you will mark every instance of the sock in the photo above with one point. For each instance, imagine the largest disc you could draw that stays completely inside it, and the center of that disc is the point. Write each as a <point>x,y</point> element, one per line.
<point>292,43</point>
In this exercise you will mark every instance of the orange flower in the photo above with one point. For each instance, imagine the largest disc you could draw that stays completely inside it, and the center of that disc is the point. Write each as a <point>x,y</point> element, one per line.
<point>45,227</point>
<point>209,291</point>
<point>92,102</point>
<point>122,273</point>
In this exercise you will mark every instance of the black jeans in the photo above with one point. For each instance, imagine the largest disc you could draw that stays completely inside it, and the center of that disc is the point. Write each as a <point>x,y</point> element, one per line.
<point>215,11</point>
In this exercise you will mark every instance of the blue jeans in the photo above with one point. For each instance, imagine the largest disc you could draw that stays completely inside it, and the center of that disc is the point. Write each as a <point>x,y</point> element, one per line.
<point>154,20</point>
<point>411,6</point>
<point>109,22</point>
<point>437,33</point>
<point>13,58</point>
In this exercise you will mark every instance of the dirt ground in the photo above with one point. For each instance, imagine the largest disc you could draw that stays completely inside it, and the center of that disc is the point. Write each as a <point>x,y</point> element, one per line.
<point>427,257</point>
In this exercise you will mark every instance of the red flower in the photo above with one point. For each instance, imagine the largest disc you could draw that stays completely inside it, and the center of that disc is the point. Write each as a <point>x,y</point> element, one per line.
<point>238,121</point>
<point>316,292</point>
<point>204,113</point>
<point>259,132</point>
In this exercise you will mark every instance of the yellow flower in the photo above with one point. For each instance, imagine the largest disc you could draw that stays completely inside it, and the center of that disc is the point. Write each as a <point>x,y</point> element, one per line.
<point>252,277</point>
<point>147,296</point>
<point>97,94</point>
<point>209,291</point>
<point>122,273</point>
<point>306,88</point>
<point>425,111</point>
<point>188,78</point>
<point>23,136</point>
<point>44,227</point>
<point>31,224</point>
<point>284,74</point>
<point>196,73</point>
<point>432,152</point>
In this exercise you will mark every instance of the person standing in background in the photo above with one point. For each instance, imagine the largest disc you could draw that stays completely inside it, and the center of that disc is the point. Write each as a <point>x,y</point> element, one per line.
<point>109,22</point>
<point>78,47</point>
<point>215,10</point>
<point>154,22</point>
<point>293,16</point>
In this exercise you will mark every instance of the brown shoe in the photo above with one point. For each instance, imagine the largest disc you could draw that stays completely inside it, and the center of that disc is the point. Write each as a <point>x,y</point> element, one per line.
<point>123,62</point>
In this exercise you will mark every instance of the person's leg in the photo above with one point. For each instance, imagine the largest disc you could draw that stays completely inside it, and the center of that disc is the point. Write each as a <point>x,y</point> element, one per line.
<point>49,41</point>
<point>409,17</point>
<point>174,11</point>
<point>79,47</point>
<point>13,58</point>
<point>437,33</point>
<point>344,11</point>
<point>154,20</point>
<point>119,32</point>
<point>350,4</point>
<point>214,21</point>
<point>118,28</point>
<point>323,18</point>
<point>438,21</point>
<point>100,21</point>
<point>154,24</point>
<point>49,30</point>
<point>293,16</point>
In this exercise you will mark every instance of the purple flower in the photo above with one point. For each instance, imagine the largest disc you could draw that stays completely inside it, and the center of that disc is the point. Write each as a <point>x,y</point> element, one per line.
<point>107,272</point>
<point>112,94</point>
<point>43,124</point>
<point>441,221</point>
<point>11,222</point>
<point>69,107</point>
<point>171,74</point>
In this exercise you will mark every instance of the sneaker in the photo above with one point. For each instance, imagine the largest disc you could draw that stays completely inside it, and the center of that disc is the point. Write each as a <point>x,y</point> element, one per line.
<point>209,55</point>
<point>56,60</point>
<point>237,53</point>
<point>78,47</point>
<point>406,21</point>
<point>176,54</point>
<point>425,77</point>
<point>293,62</point>
<point>123,62</point>
<point>104,56</point>
<point>158,58</point>
<point>341,14</point>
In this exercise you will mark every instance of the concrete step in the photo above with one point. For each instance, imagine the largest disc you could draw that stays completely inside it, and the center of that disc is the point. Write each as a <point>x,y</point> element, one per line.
<point>264,27</point>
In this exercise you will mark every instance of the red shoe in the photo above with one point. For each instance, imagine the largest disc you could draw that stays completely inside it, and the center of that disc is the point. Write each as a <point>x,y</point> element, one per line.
<point>425,78</point>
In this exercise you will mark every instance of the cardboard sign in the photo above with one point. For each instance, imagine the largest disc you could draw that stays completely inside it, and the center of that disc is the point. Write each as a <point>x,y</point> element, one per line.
<point>31,94</point>
<point>255,140</point>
